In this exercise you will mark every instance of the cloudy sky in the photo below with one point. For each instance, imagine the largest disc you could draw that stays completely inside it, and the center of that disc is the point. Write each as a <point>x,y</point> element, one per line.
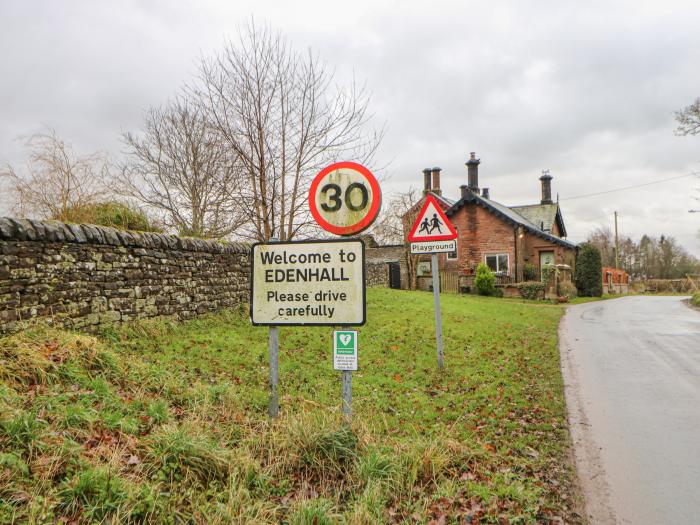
<point>586,92</point>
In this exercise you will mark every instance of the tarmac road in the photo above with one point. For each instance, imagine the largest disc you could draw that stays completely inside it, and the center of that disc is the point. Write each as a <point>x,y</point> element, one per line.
<point>632,379</point>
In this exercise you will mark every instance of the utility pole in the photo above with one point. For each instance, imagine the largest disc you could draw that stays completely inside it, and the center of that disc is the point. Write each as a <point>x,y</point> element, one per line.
<point>617,245</point>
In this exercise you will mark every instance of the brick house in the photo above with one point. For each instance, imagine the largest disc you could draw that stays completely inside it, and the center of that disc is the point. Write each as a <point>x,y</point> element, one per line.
<point>506,238</point>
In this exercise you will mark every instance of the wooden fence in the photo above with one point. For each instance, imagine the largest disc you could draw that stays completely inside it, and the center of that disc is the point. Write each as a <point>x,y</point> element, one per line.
<point>449,282</point>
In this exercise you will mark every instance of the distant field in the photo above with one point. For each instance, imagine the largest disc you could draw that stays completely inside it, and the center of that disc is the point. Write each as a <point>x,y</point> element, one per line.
<point>167,423</point>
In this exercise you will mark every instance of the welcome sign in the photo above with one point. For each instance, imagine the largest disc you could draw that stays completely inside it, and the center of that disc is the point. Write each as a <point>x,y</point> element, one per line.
<point>308,283</point>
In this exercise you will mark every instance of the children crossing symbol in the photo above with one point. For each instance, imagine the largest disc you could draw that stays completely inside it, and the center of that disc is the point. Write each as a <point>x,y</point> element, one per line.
<point>432,224</point>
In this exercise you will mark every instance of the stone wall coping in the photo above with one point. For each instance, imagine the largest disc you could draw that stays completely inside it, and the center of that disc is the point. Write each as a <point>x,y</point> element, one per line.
<point>55,231</point>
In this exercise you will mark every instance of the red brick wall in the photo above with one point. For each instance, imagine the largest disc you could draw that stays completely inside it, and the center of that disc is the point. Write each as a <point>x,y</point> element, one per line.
<point>480,232</point>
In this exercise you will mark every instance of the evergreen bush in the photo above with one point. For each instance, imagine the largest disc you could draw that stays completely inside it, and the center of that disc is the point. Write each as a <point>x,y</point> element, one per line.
<point>589,271</point>
<point>485,280</point>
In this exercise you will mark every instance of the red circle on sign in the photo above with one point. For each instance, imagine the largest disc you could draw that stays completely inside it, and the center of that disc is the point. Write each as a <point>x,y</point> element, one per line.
<point>363,223</point>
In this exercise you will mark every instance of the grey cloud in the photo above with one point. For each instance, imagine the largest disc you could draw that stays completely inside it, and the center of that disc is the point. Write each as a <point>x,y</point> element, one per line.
<point>585,90</point>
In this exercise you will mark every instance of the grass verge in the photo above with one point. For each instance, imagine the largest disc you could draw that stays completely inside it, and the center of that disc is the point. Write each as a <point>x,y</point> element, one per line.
<point>166,423</point>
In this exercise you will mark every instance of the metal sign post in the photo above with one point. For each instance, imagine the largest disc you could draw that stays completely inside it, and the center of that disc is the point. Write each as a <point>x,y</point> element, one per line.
<point>438,316</point>
<point>273,406</point>
<point>344,199</point>
<point>347,395</point>
<point>345,360</point>
<point>433,233</point>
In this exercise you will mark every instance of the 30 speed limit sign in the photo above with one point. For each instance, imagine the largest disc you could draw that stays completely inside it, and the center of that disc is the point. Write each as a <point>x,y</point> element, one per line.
<point>345,198</point>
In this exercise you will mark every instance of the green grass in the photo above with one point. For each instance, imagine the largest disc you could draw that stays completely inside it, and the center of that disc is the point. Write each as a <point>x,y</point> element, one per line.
<point>581,300</point>
<point>166,423</point>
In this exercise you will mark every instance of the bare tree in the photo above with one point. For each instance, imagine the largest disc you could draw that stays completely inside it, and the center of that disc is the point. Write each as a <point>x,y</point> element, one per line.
<point>56,183</point>
<point>395,222</point>
<point>180,167</point>
<point>688,119</point>
<point>282,115</point>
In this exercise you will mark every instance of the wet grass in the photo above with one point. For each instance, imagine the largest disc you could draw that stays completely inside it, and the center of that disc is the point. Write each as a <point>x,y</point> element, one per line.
<point>166,423</point>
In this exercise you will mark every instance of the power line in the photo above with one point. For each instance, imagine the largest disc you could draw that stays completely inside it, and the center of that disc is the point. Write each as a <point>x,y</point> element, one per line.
<point>693,174</point>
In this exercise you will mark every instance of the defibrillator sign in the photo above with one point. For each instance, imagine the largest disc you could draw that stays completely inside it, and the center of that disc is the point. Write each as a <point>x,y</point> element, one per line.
<point>308,283</point>
<point>345,350</point>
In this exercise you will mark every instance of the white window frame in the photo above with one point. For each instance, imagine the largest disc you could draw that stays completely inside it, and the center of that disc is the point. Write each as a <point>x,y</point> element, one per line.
<point>499,271</point>
<point>453,256</point>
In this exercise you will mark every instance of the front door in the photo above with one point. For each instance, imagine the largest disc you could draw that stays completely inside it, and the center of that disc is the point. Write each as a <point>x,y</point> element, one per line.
<point>546,258</point>
<point>395,276</point>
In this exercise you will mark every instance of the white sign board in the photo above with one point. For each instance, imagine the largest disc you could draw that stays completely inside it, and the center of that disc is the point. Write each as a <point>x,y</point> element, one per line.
<point>308,283</point>
<point>345,350</point>
<point>433,247</point>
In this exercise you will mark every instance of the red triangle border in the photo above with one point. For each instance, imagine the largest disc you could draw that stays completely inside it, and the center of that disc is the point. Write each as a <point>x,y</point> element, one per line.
<point>412,237</point>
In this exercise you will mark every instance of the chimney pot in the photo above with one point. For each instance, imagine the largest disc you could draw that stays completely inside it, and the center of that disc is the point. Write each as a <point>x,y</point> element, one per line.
<point>546,180</point>
<point>436,181</point>
<point>473,172</point>
<point>464,190</point>
<point>426,180</point>
<point>485,193</point>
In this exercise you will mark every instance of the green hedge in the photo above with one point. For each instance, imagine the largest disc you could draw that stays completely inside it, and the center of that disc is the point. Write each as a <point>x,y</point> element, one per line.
<point>531,289</point>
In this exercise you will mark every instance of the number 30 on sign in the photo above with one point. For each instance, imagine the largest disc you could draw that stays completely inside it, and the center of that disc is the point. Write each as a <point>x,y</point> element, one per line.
<point>345,198</point>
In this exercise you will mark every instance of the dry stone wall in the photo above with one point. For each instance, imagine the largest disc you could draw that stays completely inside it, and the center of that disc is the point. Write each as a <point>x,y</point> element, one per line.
<point>377,274</point>
<point>85,276</point>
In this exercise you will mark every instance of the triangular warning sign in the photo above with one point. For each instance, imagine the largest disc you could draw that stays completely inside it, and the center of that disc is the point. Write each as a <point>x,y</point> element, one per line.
<point>432,224</point>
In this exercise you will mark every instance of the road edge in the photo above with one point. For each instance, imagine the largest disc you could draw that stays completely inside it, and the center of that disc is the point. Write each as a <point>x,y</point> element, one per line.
<point>590,473</point>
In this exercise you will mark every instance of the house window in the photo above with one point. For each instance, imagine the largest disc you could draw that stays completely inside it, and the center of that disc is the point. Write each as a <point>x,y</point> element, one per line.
<point>452,256</point>
<point>498,263</point>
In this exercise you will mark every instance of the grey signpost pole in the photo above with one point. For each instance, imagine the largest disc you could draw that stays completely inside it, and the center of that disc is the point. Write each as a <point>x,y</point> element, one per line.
<point>347,391</point>
<point>438,316</point>
<point>273,407</point>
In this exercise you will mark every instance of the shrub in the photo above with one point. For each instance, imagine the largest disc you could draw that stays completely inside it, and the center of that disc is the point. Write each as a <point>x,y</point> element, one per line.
<point>695,300</point>
<point>589,271</point>
<point>485,281</point>
<point>531,289</point>
<point>529,272</point>
<point>114,214</point>
<point>548,270</point>
<point>567,289</point>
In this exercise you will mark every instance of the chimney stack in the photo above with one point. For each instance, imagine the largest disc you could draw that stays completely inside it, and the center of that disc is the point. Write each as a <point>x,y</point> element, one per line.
<point>436,181</point>
<point>485,193</point>
<point>473,172</point>
<point>546,179</point>
<point>426,180</point>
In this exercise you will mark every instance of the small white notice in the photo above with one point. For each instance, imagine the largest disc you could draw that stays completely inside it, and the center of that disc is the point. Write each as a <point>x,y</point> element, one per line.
<point>308,283</point>
<point>345,350</point>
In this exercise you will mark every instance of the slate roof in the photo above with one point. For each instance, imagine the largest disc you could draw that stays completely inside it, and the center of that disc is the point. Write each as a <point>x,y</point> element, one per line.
<point>543,216</point>
<point>514,216</point>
